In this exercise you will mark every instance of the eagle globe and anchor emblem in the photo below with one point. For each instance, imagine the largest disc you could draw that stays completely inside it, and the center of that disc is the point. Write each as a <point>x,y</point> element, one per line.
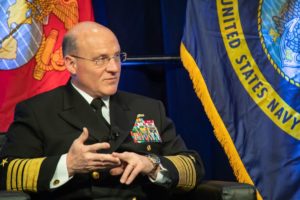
<point>22,37</point>
<point>280,28</point>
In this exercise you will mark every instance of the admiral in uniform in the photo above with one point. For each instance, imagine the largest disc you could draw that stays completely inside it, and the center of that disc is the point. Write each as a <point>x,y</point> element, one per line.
<point>86,140</point>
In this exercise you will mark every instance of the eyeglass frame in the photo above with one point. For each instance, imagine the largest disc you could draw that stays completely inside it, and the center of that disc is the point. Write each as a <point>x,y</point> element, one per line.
<point>106,59</point>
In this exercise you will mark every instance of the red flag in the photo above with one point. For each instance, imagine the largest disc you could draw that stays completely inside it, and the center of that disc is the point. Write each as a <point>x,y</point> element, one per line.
<point>30,48</point>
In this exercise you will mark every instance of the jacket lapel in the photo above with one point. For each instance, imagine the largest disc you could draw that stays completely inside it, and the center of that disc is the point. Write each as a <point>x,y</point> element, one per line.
<point>122,120</point>
<point>78,113</point>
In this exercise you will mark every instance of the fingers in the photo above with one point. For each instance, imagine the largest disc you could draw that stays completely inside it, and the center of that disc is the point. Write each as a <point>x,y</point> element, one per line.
<point>97,146</point>
<point>126,173</point>
<point>125,156</point>
<point>94,147</point>
<point>129,173</point>
<point>117,170</point>
<point>106,159</point>
<point>135,165</point>
<point>102,164</point>
<point>93,161</point>
<point>84,135</point>
<point>134,173</point>
<point>101,159</point>
<point>83,158</point>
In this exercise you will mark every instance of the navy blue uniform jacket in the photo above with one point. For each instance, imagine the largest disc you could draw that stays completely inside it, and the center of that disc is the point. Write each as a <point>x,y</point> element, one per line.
<point>46,125</point>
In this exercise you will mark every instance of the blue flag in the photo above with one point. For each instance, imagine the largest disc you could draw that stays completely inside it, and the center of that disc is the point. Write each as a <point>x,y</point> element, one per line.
<point>244,60</point>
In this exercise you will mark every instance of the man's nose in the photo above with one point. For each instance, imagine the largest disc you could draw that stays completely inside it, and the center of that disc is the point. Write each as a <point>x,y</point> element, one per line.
<point>113,65</point>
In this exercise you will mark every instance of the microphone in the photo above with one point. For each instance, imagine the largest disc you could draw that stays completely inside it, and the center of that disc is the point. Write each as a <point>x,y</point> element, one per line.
<point>114,133</point>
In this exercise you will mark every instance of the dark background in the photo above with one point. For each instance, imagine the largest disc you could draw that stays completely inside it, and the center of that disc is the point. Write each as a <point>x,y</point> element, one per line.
<point>154,28</point>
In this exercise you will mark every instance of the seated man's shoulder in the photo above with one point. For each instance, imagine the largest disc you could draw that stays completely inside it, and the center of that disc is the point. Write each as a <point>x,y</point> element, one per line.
<point>134,98</point>
<point>49,95</point>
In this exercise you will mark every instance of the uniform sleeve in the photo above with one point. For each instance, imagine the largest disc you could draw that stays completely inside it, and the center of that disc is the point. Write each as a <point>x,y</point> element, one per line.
<point>23,166</point>
<point>185,167</point>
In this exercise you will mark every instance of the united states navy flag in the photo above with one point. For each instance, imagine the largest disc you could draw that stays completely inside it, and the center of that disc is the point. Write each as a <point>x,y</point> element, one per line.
<point>244,60</point>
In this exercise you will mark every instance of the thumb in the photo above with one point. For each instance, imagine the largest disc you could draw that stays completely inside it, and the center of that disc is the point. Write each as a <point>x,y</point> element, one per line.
<point>116,171</point>
<point>84,135</point>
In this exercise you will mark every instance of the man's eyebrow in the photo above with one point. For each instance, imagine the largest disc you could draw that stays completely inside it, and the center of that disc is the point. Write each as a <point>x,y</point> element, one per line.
<point>101,56</point>
<point>106,55</point>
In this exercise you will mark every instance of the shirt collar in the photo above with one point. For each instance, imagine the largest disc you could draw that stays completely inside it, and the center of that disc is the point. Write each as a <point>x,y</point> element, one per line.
<point>89,98</point>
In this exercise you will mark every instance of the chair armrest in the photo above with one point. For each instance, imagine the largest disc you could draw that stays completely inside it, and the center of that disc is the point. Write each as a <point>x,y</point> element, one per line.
<point>13,196</point>
<point>223,190</point>
<point>212,190</point>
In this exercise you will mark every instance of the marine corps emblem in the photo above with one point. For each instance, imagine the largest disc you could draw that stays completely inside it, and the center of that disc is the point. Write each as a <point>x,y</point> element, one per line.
<point>23,37</point>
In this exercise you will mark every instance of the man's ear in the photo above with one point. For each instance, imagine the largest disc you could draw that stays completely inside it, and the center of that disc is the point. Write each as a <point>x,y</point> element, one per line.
<point>71,64</point>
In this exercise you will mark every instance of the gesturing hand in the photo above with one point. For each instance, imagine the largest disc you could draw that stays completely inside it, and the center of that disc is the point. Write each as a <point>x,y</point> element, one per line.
<point>83,158</point>
<point>132,165</point>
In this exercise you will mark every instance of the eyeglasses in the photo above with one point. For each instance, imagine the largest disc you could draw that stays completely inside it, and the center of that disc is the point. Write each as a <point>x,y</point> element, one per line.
<point>104,60</point>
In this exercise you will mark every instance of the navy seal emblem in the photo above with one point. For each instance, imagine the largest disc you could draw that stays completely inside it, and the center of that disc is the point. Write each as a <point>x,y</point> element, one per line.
<point>280,28</point>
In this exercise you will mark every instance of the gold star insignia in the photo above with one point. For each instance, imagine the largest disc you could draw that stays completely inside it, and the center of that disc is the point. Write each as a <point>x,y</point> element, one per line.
<point>4,161</point>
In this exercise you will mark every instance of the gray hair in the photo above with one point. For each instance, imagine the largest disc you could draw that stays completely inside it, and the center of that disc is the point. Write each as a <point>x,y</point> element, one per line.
<point>69,45</point>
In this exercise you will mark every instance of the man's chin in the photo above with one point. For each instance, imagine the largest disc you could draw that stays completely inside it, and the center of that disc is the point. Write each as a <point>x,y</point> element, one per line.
<point>110,91</point>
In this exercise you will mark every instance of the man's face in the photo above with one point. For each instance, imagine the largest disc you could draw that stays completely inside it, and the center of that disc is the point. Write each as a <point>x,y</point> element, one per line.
<point>97,80</point>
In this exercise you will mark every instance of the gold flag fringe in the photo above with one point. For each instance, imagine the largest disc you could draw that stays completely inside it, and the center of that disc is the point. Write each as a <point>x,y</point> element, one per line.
<point>220,130</point>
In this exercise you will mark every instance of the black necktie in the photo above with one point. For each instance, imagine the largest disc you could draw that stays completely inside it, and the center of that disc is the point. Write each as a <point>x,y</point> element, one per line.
<point>97,105</point>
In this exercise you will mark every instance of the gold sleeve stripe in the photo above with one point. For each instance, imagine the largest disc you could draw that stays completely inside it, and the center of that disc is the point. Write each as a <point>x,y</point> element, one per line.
<point>192,167</point>
<point>25,175</point>
<point>14,175</point>
<point>21,169</point>
<point>22,174</point>
<point>186,170</point>
<point>28,175</point>
<point>189,167</point>
<point>9,173</point>
<point>36,175</point>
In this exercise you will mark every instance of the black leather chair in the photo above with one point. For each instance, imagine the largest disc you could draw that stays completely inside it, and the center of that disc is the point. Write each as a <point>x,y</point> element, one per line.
<point>222,190</point>
<point>14,196</point>
<point>207,190</point>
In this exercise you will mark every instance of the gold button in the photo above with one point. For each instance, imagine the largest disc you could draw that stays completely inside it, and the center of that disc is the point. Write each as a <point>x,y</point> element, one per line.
<point>149,147</point>
<point>134,198</point>
<point>95,175</point>
<point>56,182</point>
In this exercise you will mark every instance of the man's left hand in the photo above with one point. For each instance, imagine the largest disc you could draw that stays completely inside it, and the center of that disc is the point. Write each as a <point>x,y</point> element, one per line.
<point>132,165</point>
